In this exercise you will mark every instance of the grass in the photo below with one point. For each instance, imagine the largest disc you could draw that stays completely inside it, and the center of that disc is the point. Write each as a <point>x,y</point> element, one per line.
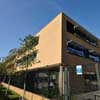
<point>10,94</point>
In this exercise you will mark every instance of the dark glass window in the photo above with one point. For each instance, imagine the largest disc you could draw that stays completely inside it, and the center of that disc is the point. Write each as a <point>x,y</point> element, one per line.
<point>86,53</point>
<point>89,38</point>
<point>79,50</point>
<point>91,77</point>
<point>94,56</point>
<point>80,34</point>
<point>70,27</point>
<point>75,49</point>
<point>92,40</point>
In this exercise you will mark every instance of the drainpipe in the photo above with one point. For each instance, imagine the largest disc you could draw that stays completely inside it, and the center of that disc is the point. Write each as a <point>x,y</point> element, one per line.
<point>64,84</point>
<point>67,95</point>
<point>97,74</point>
<point>61,82</point>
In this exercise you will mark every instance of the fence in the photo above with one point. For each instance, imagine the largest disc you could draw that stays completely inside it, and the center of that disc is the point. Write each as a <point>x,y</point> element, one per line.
<point>81,82</point>
<point>71,82</point>
<point>97,97</point>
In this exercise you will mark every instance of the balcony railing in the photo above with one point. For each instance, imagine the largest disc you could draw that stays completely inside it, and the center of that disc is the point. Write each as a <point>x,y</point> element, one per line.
<point>79,50</point>
<point>71,28</point>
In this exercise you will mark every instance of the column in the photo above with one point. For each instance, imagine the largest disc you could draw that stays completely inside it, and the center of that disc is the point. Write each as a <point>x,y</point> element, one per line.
<point>97,74</point>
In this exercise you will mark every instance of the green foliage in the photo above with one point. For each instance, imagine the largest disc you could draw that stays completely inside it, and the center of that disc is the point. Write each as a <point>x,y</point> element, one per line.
<point>10,96</point>
<point>7,67</point>
<point>2,90</point>
<point>13,97</point>
<point>30,57</point>
<point>29,42</point>
<point>12,55</point>
<point>2,68</point>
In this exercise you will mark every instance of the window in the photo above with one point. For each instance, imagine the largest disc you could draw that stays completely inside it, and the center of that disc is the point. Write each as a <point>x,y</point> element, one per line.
<point>71,28</point>
<point>79,50</point>
<point>89,38</point>
<point>80,34</point>
<point>91,77</point>
<point>94,56</point>
<point>75,48</point>
<point>86,53</point>
<point>92,40</point>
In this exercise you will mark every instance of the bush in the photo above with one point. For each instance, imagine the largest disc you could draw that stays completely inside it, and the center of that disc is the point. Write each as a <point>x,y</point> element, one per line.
<point>10,94</point>
<point>13,97</point>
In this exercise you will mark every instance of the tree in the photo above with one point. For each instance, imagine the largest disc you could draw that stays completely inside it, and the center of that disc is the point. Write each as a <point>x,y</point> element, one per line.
<point>10,65</point>
<point>3,71</point>
<point>27,44</point>
<point>7,67</point>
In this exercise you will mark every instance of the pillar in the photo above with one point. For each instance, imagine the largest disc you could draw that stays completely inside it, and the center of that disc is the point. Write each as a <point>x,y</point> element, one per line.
<point>97,74</point>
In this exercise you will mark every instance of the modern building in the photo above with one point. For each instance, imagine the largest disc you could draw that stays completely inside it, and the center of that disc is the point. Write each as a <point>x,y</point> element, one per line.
<point>63,43</point>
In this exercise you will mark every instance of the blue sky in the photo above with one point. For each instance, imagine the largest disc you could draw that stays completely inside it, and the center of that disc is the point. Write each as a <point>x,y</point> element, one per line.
<point>21,17</point>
